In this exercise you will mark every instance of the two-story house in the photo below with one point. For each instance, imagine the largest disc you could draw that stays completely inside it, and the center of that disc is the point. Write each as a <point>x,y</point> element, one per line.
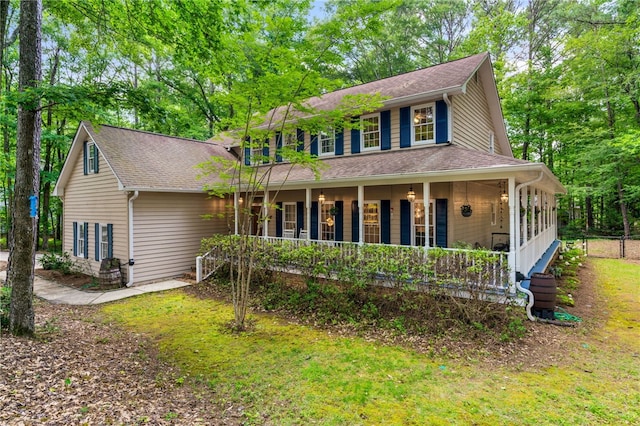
<point>431,167</point>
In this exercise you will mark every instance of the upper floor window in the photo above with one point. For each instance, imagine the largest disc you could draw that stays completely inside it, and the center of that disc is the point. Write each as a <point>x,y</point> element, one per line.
<point>370,135</point>
<point>423,125</point>
<point>256,155</point>
<point>327,142</point>
<point>90,158</point>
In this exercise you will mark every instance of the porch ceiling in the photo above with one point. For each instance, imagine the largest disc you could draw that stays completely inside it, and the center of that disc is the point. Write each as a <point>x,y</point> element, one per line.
<point>444,162</point>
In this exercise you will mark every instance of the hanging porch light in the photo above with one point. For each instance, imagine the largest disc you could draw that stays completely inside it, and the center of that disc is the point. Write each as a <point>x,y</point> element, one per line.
<point>411,196</point>
<point>321,198</point>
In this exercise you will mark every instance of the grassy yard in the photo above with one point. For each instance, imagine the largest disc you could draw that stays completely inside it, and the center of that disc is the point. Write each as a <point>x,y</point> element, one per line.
<point>290,374</point>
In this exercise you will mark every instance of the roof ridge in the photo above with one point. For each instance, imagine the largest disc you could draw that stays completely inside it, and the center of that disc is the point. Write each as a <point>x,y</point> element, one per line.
<point>207,142</point>
<point>402,73</point>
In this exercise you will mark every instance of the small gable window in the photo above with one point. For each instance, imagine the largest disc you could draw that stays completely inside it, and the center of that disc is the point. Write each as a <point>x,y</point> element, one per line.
<point>423,125</point>
<point>327,141</point>
<point>370,135</point>
<point>91,156</point>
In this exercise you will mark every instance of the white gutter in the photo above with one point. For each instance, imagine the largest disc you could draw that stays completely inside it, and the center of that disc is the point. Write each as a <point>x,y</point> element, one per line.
<point>516,226</point>
<point>131,259</point>
<point>450,116</point>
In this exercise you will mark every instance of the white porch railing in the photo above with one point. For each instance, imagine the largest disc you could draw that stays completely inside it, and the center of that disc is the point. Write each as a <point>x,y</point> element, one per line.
<point>533,249</point>
<point>409,265</point>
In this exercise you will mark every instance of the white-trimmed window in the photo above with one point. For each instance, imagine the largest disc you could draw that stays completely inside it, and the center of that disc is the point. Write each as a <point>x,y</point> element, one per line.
<point>289,219</point>
<point>81,239</point>
<point>370,133</point>
<point>327,221</point>
<point>103,241</point>
<point>256,156</point>
<point>371,221</point>
<point>91,157</point>
<point>327,142</point>
<point>419,223</point>
<point>423,128</point>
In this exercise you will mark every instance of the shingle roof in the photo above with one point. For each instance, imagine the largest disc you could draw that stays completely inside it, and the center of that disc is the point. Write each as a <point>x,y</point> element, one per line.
<point>151,161</point>
<point>449,75</point>
<point>395,164</point>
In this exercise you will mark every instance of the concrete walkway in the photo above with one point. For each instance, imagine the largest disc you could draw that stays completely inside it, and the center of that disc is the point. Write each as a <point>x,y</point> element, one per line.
<point>57,293</point>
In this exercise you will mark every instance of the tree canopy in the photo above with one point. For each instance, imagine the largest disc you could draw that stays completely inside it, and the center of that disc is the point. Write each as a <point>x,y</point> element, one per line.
<point>568,74</point>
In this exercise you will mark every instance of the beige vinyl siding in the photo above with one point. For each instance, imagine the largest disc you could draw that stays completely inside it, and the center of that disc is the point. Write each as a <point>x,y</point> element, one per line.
<point>471,119</point>
<point>95,198</point>
<point>168,229</point>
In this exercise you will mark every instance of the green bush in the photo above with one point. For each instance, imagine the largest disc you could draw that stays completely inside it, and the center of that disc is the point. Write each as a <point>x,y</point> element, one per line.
<point>59,262</point>
<point>5,303</point>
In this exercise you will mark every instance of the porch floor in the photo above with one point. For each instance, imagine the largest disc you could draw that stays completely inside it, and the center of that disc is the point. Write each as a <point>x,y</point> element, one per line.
<point>543,263</point>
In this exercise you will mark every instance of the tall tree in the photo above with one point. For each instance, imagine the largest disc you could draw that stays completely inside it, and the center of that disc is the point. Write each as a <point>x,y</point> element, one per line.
<point>20,274</point>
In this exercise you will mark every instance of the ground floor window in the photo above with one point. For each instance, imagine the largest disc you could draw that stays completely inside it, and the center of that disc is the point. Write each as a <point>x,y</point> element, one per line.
<point>289,220</point>
<point>418,231</point>
<point>371,222</point>
<point>81,239</point>
<point>327,221</point>
<point>104,241</point>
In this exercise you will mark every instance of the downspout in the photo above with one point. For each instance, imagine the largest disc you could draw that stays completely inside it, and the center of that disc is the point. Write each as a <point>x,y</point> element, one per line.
<point>516,229</point>
<point>131,261</point>
<point>447,101</point>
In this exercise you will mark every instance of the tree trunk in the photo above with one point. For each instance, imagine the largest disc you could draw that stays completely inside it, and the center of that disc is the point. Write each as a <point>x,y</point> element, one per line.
<point>20,276</point>
<point>623,210</point>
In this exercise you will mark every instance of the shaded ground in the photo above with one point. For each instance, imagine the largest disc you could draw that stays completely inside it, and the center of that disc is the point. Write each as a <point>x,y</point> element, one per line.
<point>81,370</point>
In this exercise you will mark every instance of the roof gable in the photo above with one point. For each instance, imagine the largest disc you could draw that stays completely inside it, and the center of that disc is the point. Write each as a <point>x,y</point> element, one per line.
<point>143,160</point>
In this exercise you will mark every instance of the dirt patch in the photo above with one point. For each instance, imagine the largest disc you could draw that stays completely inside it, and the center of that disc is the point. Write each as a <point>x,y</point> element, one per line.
<point>75,280</point>
<point>81,370</point>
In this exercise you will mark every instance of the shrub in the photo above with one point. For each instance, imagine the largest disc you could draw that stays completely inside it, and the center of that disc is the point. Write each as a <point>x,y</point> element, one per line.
<point>5,303</point>
<point>59,262</point>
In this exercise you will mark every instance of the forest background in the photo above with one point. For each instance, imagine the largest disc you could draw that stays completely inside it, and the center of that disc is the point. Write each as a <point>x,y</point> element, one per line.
<point>568,74</point>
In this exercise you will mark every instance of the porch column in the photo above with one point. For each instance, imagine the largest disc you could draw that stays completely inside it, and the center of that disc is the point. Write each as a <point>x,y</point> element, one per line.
<point>236,208</point>
<point>265,207</point>
<point>514,231</point>
<point>525,222</point>
<point>426,196</point>
<point>307,204</point>
<point>360,214</point>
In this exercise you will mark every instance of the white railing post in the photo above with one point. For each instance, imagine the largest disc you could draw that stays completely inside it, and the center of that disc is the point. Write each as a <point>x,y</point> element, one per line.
<point>198,269</point>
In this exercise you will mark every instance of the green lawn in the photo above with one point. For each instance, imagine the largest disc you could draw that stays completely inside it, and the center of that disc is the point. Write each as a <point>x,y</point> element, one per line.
<point>297,375</point>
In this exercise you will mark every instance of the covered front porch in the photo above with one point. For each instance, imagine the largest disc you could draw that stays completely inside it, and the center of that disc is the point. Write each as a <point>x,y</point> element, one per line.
<point>508,215</point>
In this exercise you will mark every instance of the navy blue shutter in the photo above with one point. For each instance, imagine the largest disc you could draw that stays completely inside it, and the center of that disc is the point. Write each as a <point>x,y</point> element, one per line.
<point>314,145</point>
<point>355,225</point>
<point>75,238</point>
<point>279,219</point>
<point>441,222</point>
<point>314,220</point>
<point>339,221</point>
<point>405,127</point>
<point>84,158</point>
<point>385,221</point>
<point>405,222</point>
<point>442,127</point>
<point>110,240</point>
<point>96,159</point>
<point>247,156</point>
<point>340,143</point>
<point>278,147</point>
<point>385,130</point>
<point>265,151</point>
<point>299,215</point>
<point>355,137</point>
<point>300,139</point>
<point>86,240</point>
<point>97,244</point>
